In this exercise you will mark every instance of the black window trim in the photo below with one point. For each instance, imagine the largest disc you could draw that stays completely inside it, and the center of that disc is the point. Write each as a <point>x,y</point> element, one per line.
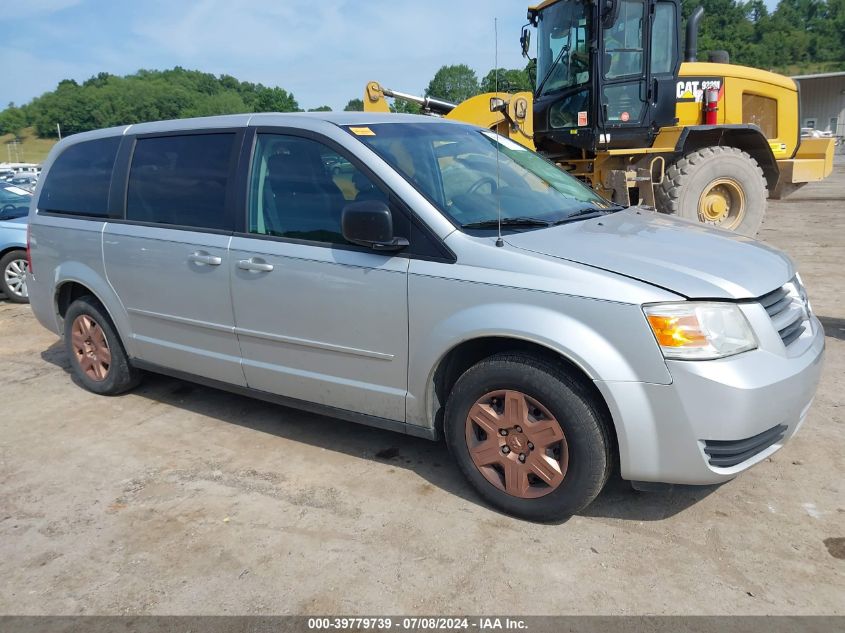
<point>120,180</point>
<point>395,201</point>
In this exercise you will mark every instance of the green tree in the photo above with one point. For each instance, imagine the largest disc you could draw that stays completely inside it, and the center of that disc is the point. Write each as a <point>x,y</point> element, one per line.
<point>148,95</point>
<point>400,106</point>
<point>12,120</point>
<point>354,105</point>
<point>273,100</point>
<point>453,83</point>
<point>509,80</point>
<point>215,104</point>
<point>324,108</point>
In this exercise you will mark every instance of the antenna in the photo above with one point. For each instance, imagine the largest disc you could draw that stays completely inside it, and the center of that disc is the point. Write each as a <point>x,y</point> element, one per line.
<point>499,241</point>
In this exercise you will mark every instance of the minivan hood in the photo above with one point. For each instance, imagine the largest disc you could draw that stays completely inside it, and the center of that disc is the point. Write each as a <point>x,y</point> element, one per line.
<point>684,257</point>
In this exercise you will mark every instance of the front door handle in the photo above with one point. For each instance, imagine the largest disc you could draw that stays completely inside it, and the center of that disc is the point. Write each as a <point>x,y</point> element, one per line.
<point>201,257</point>
<point>255,265</point>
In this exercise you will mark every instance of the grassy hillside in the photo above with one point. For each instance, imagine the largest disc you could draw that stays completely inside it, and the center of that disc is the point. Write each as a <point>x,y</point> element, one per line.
<point>810,68</point>
<point>31,150</point>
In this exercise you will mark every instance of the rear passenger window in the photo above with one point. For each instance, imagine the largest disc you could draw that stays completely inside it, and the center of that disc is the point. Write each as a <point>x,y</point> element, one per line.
<point>181,180</point>
<point>79,180</point>
<point>299,188</point>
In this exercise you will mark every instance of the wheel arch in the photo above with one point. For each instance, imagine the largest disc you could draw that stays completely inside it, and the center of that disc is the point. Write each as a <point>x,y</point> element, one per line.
<point>73,284</point>
<point>748,138</point>
<point>457,360</point>
<point>10,249</point>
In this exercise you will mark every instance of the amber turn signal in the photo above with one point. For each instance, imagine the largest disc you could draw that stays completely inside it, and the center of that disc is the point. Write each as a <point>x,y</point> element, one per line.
<point>674,331</point>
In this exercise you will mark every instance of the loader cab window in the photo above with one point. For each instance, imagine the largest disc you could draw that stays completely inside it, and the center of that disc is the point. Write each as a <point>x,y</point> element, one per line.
<point>563,57</point>
<point>623,42</point>
<point>663,40</point>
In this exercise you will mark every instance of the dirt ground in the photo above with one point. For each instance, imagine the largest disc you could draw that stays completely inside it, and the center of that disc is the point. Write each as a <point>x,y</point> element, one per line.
<point>177,499</point>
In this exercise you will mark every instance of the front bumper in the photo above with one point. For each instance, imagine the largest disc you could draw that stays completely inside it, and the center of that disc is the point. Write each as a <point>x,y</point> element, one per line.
<point>663,430</point>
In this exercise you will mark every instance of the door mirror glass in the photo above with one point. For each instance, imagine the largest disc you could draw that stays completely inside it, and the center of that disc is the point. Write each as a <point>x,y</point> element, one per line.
<point>370,223</point>
<point>525,41</point>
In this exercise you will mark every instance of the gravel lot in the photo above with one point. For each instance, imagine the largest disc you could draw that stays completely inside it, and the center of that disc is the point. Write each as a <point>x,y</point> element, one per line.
<point>177,499</point>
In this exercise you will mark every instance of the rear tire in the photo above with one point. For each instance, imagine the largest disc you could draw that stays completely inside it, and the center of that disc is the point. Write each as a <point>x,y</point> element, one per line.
<point>96,353</point>
<point>697,185</point>
<point>13,269</point>
<point>563,437</point>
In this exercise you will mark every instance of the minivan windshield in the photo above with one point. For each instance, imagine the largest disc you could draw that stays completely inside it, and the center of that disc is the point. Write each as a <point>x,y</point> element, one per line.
<point>14,202</point>
<point>470,174</point>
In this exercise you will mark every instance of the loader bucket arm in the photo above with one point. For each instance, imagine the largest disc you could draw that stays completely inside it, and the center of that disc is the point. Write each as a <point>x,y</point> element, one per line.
<point>518,125</point>
<point>374,98</point>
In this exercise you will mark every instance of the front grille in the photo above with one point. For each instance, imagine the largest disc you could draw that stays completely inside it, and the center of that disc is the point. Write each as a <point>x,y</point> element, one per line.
<point>727,453</point>
<point>787,309</point>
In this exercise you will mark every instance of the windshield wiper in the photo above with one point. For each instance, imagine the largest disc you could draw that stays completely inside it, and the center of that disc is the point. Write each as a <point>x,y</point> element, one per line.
<point>506,222</point>
<point>548,74</point>
<point>587,213</point>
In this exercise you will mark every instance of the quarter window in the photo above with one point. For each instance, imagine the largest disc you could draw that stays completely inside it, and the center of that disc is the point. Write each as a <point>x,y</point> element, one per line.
<point>299,187</point>
<point>79,180</point>
<point>181,181</point>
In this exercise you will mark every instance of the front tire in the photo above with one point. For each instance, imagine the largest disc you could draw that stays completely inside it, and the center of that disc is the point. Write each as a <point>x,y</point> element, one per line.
<point>717,186</point>
<point>529,438</point>
<point>96,353</point>
<point>13,268</point>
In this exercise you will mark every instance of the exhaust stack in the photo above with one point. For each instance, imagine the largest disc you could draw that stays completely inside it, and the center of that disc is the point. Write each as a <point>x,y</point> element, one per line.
<point>691,54</point>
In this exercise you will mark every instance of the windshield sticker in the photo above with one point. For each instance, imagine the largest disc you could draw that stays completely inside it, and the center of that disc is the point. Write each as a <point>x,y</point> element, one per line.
<point>692,90</point>
<point>362,131</point>
<point>582,119</point>
<point>505,142</point>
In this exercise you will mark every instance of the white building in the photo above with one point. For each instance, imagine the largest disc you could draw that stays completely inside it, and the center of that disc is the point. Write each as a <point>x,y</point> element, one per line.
<point>823,102</point>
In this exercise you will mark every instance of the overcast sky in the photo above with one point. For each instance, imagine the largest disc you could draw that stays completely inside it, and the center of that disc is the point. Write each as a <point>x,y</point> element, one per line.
<point>324,51</point>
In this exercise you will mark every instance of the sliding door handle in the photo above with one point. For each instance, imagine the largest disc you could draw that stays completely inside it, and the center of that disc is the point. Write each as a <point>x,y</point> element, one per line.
<point>255,265</point>
<point>201,257</point>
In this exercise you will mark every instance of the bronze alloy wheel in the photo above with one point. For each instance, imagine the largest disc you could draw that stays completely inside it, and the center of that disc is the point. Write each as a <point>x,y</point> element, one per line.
<point>517,444</point>
<point>91,348</point>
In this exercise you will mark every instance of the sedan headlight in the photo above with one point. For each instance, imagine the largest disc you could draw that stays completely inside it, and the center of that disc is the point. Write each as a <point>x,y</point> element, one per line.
<point>700,330</point>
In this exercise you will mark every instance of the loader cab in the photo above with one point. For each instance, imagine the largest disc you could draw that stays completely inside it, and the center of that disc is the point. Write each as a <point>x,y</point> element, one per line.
<point>606,73</point>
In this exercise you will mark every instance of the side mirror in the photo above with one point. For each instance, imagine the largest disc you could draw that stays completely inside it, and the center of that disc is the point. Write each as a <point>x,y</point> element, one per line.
<point>497,104</point>
<point>369,223</point>
<point>525,41</point>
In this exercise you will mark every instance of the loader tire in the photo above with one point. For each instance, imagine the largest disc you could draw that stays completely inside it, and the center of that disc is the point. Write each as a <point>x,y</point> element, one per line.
<point>717,186</point>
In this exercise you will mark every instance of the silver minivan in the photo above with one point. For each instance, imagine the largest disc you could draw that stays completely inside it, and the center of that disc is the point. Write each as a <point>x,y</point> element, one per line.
<point>428,277</point>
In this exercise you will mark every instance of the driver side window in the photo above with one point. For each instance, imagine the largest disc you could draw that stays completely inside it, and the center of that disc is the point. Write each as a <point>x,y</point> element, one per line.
<point>299,187</point>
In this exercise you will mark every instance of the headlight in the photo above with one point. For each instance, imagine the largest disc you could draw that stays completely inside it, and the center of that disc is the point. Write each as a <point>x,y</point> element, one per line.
<point>699,330</point>
<point>801,293</point>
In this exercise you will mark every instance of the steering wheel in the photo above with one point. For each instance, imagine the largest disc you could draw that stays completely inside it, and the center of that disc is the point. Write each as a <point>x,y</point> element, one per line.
<point>7,208</point>
<point>486,180</point>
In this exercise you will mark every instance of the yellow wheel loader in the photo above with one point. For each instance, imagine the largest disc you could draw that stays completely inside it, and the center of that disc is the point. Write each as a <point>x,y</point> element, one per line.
<point>615,105</point>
